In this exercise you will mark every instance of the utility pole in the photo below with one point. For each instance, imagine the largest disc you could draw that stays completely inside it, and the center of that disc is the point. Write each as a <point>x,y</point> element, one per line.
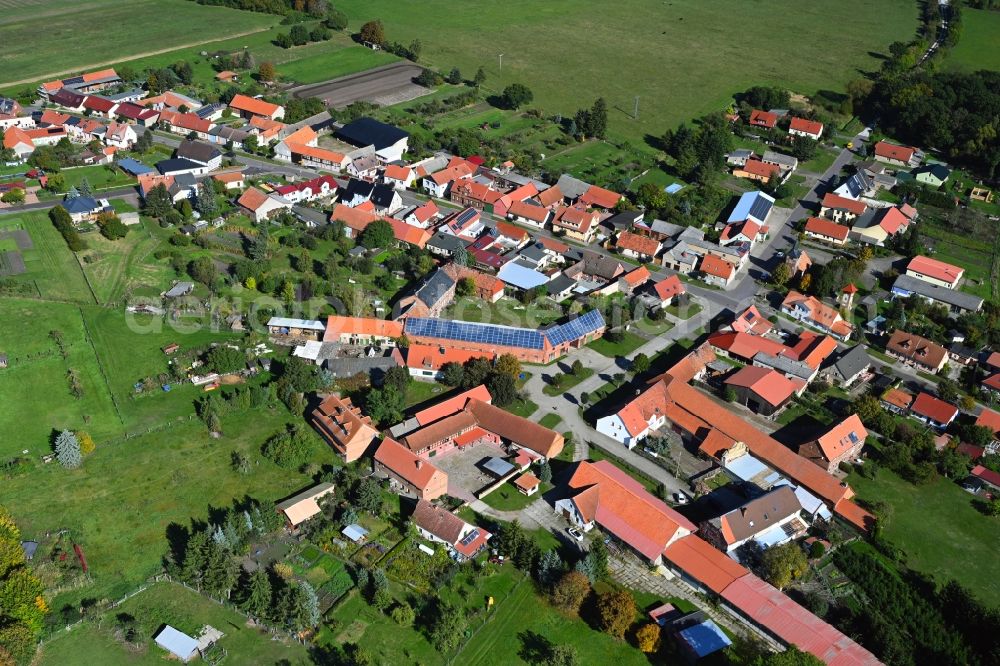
<point>500,73</point>
<point>635,113</point>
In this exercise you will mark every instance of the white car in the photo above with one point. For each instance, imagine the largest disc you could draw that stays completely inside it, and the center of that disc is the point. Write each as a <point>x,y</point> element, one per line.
<point>575,533</point>
<point>681,498</point>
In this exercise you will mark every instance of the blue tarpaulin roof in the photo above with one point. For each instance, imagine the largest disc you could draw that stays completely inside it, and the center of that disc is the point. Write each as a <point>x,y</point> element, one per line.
<point>177,643</point>
<point>705,638</point>
<point>134,167</point>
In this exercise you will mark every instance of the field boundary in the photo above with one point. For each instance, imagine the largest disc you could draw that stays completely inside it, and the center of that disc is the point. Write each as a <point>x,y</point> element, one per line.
<point>100,366</point>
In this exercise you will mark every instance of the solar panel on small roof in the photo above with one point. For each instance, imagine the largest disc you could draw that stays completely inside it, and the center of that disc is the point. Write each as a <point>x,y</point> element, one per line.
<point>470,537</point>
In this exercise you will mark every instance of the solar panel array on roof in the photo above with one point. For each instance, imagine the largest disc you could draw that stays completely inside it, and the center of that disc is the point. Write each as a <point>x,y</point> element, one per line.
<point>760,208</point>
<point>470,537</point>
<point>506,336</point>
<point>575,328</point>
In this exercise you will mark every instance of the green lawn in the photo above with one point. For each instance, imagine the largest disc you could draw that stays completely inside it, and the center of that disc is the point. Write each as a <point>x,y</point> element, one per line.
<point>506,312</point>
<point>685,311</point>
<point>50,265</point>
<point>523,408</point>
<point>77,37</point>
<point>629,343</point>
<point>550,421</point>
<point>112,267</point>
<point>507,497</point>
<point>689,65</point>
<point>99,176</point>
<point>940,531</point>
<point>569,381</point>
<point>977,47</point>
<point>418,392</point>
<point>329,65</point>
<point>820,162</point>
<point>183,609</point>
<point>35,390</point>
<point>118,505</point>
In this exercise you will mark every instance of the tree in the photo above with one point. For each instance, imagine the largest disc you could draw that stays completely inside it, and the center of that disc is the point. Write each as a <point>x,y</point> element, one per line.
<point>68,450</point>
<point>367,495</point>
<point>947,390</point>
<point>14,196</point>
<point>397,377</point>
<point>203,270</point>
<point>87,445</point>
<point>577,368</point>
<point>550,568</point>
<point>289,448</point>
<point>640,364</point>
<point>792,656</point>
<point>378,234</point>
<point>308,604</point>
<point>447,627</point>
<point>224,359</point>
<point>455,76</point>
<point>22,606</point>
<point>465,287</point>
<point>515,96</point>
<point>502,387</point>
<point>598,119</point>
<point>452,373</point>
<point>508,364</point>
<point>373,32</point>
<point>480,78</point>
<point>266,72</point>
<point>111,226</point>
<point>158,202</point>
<point>206,203</point>
<point>562,655</point>
<point>570,591</point>
<point>615,611</point>
<point>648,637</point>
<point>402,613</point>
<point>461,257</point>
<point>545,472</point>
<point>299,35</point>
<point>729,394</point>
<point>781,275</point>
<point>257,599</point>
<point>84,188</point>
<point>335,19</point>
<point>385,405</point>
<point>783,564</point>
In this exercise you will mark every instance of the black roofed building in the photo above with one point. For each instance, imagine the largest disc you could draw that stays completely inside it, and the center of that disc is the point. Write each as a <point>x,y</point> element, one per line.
<point>389,141</point>
<point>849,366</point>
<point>197,151</point>
<point>445,245</point>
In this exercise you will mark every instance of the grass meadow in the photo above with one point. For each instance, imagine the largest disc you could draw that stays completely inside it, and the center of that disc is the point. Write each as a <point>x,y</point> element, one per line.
<point>977,48</point>
<point>52,268</point>
<point>683,58</point>
<point>940,531</point>
<point>42,39</point>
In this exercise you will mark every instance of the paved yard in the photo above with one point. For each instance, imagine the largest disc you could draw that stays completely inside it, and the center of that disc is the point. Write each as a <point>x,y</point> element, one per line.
<point>464,477</point>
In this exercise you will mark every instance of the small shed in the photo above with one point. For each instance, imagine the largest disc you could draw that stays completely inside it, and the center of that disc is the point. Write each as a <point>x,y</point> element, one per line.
<point>29,548</point>
<point>355,533</point>
<point>177,643</point>
<point>180,289</point>
<point>527,484</point>
<point>702,639</point>
<point>498,467</point>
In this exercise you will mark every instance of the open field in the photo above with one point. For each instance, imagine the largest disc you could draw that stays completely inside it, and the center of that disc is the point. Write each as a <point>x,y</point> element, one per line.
<point>167,603</point>
<point>120,502</point>
<point>681,57</point>
<point>940,531</point>
<point>972,253</point>
<point>35,389</point>
<point>111,266</point>
<point>977,47</point>
<point>50,265</point>
<point>76,37</point>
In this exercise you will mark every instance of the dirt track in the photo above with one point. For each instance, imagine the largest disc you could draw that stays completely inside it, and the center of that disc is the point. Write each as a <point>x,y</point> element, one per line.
<point>392,82</point>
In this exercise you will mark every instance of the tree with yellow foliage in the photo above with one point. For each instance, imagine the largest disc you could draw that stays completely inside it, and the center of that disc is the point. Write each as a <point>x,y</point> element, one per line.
<point>648,637</point>
<point>87,445</point>
<point>21,603</point>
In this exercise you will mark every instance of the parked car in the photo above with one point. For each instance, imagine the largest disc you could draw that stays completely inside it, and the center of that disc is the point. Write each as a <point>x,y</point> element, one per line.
<point>575,533</point>
<point>681,498</point>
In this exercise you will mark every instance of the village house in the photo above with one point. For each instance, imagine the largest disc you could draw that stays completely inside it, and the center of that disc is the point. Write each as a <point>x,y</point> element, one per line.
<point>438,525</point>
<point>362,331</point>
<point>757,170</point>
<point>807,128</point>
<point>917,351</point>
<point>344,427</point>
<point>408,473</point>
<point>933,411</point>
<point>742,233</point>
<point>206,155</point>
<point>399,176</point>
<point>849,366</point>
<point>826,231</point>
<point>300,508</point>
<point>891,153</point>
<point>260,206</point>
<point>876,226</point>
<point>764,119</point>
<point>121,136</point>
<point>896,400</point>
<point>439,183</point>
<point>668,290</point>
<point>233,180</point>
<point>763,390</point>
<point>842,443</point>
<point>528,213</point>
<point>716,271</point>
<point>841,209</point>
<point>389,141</point>
<point>320,187</point>
<point>810,310</point>
<point>638,247</point>
<point>769,520</point>
<point>931,175</point>
<point>934,271</point>
<point>248,107</point>
<point>786,164</point>
<point>427,361</point>
<point>577,223</point>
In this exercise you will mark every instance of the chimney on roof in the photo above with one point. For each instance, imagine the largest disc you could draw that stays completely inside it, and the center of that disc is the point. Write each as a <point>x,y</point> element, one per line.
<point>420,463</point>
<point>743,511</point>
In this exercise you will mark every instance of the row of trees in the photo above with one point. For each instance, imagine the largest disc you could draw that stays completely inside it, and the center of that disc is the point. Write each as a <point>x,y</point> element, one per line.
<point>300,35</point>
<point>22,606</point>
<point>499,377</point>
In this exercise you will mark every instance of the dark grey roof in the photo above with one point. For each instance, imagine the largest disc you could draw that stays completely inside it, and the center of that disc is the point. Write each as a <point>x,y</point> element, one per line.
<point>382,195</point>
<point>229,133</point>
<point>784,365</point>
<point>939,170</point>
<point>348,367</point>
<point>852,362</point>
<point>177,164</point>
<point>434,288</point>
<point>559,284</point>
<point>445,242</point>
<point>958,349</point>
<point>197,151</point>
<point>80,205</point>
<point>67,98</point>
<point>357,188</point>
<point>600,265</point>
<point>370,132</point>
<point>209,110</point>
<point>7,105</point>
<point>623,220</point>
<point>571,187</point>
<point>907,284</point>
<point>533,252</point>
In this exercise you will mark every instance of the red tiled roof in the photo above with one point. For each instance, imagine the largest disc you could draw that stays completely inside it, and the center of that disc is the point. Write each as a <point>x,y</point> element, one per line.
<point>893,220</point>
<point>636,276</point>
<point>639,244</point>
<point>407,233</point>
<point>745,345</point>
<point>763,118</point>
<point>894,152</point>
<point>897,398</point>
<point>431,357</point>
<point>933,408</point>
<point>397,172</point>
<point>600,197</point>
<point>257,107</point>
<point>831,200</point>
<point>751,321</point>
<point>406,464</point>
<point>989,419</point>
<point>807,126</point>
<point>527,481</point>
<point>98,104</point>
<point>699,560</point>
<point>934,268</point>
<point>528,211</point>
<point>452,405</point>
<point>669,287</point>
<point>842,437</point>
<point>770,385</point>
<point>356,218</point>
<point>986,474</point>
<point>713,265</point>
<point>337,325</point>
<point>550,197</point>
<point>628,510</point>
<point>252,199</point>
<point>758,168</point>
<point>827,228</point>
<point>553,245</point>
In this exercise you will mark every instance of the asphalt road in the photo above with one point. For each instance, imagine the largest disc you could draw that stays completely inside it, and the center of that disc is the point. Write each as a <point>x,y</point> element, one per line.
<point>395,80</point>
<point>126,193</point>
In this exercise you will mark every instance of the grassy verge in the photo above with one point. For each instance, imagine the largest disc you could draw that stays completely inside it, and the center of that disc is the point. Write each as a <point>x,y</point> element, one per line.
<point>628,344</point>
<point>569,381</point>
